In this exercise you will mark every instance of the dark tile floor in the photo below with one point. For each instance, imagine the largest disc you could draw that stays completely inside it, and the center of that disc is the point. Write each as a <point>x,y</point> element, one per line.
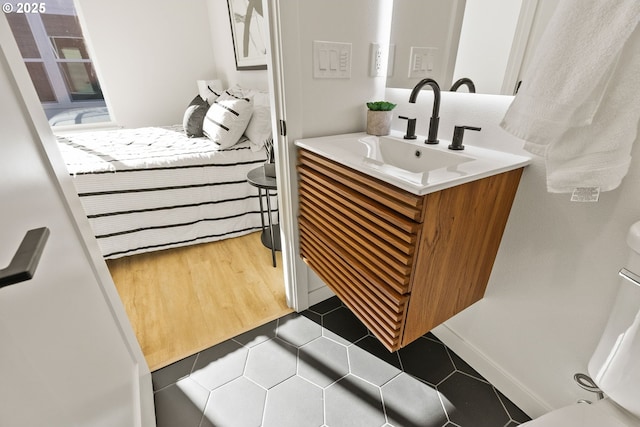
<point>323,368</point>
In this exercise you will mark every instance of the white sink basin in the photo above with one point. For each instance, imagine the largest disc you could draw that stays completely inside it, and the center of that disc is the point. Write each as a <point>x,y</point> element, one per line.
<point>410,157</point>
<point>413,165</point>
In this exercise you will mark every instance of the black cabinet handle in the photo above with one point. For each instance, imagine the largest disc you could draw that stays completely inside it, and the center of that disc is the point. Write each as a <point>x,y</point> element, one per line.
<point>23,265</point>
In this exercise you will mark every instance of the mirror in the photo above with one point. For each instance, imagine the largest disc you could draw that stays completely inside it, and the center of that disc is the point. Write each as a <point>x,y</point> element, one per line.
<point>449,40</point>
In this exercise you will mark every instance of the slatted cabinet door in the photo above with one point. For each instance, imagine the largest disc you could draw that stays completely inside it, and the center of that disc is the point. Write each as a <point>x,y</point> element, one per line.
<point>356,235</point>
<point>367,240</point>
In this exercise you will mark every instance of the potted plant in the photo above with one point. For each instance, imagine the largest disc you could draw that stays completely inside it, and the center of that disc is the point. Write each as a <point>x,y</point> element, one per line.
<point>379,117</point>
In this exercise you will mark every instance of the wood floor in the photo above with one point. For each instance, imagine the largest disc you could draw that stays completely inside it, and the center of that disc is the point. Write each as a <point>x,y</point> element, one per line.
<point>181,301</point>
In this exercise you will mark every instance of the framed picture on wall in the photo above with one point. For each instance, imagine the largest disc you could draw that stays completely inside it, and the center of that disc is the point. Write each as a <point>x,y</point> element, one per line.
<point>248,31</point>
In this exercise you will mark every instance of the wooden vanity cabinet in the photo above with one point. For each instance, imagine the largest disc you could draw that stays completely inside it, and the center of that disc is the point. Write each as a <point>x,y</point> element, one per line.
<point>402,263</point>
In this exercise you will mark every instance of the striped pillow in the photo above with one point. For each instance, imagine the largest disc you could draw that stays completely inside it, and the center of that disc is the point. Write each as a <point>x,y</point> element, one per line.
<point>227,119</point>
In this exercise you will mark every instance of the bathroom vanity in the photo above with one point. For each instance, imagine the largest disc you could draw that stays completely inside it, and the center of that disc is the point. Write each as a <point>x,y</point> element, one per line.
<point>405,250</point>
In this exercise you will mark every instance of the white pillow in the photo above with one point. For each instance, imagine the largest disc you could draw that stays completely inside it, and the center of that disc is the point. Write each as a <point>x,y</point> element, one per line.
<point>259,128</point>
<point>227,119</point>
<point>238,91</point>
<point>259,97</point>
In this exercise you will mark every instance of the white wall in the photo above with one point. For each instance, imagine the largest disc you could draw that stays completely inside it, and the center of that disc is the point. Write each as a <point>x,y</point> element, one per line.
<point>555,275</point>
<point>338,105</point>
<point>222,45</point>
<point>148,55</point>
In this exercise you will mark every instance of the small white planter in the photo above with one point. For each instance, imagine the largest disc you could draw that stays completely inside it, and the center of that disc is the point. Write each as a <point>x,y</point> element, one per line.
<point>379,122</point>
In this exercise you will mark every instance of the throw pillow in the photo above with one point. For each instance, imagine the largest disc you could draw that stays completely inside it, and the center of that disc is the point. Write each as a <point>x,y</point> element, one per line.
<point>194,117</point>
<point>259,128</point>
<point>227,119</point>
<point>209,92</point>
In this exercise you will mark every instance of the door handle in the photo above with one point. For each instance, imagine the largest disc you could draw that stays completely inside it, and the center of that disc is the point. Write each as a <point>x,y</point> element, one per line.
<point>23,265</point>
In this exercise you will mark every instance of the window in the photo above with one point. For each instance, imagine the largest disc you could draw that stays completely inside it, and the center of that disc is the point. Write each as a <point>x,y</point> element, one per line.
<point>76,68</point>
<point>57,59</point>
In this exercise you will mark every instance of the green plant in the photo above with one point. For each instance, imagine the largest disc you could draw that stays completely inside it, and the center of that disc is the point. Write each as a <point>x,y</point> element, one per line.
<point>381,106</point>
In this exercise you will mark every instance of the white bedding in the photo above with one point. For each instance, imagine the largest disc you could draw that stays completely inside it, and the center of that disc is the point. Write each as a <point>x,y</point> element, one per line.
<point>154,188</point>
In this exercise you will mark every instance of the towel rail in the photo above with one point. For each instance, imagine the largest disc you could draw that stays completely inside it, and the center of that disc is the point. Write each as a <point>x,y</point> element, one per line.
<point>630,276</point>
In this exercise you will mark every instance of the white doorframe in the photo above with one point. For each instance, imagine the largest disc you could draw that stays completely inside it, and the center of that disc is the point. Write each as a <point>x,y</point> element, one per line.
<point>295,270</point>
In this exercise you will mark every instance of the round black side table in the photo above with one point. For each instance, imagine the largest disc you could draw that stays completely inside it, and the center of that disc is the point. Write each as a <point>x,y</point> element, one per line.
<point>270,232</point>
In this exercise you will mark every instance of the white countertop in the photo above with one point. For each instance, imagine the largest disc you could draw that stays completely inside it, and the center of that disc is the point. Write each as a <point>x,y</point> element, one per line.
<point>411,164</point>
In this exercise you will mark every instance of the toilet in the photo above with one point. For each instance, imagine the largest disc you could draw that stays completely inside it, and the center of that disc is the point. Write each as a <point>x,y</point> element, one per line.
<point>615,364</point>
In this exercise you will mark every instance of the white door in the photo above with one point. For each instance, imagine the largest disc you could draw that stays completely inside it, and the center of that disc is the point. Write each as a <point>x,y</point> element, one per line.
<point>68,356</point>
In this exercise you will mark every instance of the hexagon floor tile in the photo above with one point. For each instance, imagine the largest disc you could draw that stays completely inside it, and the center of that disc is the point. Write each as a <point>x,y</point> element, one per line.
<point>226,408</point>
<point>271,362</point>
<point>323,361</point>
<point>322,368</point>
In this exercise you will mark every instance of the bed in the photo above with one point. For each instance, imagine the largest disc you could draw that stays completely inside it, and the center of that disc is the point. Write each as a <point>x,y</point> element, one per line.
<point>156,188</point>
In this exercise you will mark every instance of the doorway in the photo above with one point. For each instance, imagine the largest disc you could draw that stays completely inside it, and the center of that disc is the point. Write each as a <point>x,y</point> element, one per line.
<point>184,300</point>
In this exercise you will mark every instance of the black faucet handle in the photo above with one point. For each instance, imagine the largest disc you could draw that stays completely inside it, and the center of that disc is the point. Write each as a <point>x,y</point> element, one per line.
<point>411,127</point>
<point>458,135</point>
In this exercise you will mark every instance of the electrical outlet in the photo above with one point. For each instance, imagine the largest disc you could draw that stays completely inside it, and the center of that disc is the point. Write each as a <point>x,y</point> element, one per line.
<point>379,58</point>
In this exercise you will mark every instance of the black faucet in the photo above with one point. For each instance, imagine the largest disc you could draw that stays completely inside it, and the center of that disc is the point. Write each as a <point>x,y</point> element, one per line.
<point>411,127</point>
<point>432,138</point>
<point>458,134</point>
<point>464,81</point>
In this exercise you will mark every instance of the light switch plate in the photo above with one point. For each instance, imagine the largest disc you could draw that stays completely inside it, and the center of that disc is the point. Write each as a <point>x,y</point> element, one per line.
<point>421,62</point>
<point>331,60</point>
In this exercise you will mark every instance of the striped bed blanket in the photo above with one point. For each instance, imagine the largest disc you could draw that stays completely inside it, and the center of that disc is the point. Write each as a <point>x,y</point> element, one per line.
<point>155,188</point>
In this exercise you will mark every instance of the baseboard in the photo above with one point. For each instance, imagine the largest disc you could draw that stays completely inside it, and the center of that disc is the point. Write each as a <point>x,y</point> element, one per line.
<point>524,398</point>
<point>319,295</point>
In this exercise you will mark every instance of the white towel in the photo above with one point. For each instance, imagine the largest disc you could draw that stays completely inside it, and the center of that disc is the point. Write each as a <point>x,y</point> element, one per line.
<point>579,103</point>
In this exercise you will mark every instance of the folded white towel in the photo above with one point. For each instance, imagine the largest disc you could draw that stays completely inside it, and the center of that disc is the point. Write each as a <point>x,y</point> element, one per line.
<point>579,103</point>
